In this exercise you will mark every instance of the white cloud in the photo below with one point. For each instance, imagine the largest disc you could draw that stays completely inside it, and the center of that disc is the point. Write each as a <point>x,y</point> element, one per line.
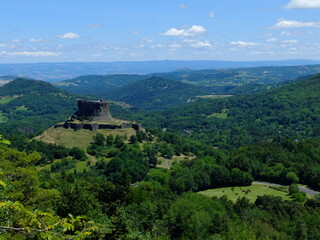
<point>190,40</point>
<point>135,32</point>
<point>4,45</point>
<point>183,6</point>
<point>271,40</point>
<point>244,44</point>
<point>196,30</point>
<point>296,33</point>
<point>30,54</point>
<point>211,14</point>
<point>159,45</point>
<point>286,33</point>
<point>69,36</point>
<point>15,40</point>
<point>295,24</point>
<point>303,4</point>
<point>143,42</point>
<point>200,44</point>
<point>192,31</point>
<point>34,40</point>
<point>176,32</point>
<point>147,40</point>
<point>94,25</point>
<point>290,41</point>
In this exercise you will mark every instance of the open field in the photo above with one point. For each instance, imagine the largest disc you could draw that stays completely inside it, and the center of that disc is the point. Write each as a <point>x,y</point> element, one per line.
<point>223,114</point>
<point>218,115</point>
<point>22,108</point>
<point>80,166</point>
<point>239,192</point>
<point>167,163</point>
<point>5,100</point>
<point>214,96</point>
<point>121,104</point>
<point>82,138</point>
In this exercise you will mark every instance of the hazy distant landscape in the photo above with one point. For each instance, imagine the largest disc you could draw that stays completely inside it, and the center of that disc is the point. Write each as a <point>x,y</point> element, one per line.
<point>62,71</point>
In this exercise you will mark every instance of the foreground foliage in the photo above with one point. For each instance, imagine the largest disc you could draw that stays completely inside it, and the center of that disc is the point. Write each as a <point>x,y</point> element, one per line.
<point>126,197</point>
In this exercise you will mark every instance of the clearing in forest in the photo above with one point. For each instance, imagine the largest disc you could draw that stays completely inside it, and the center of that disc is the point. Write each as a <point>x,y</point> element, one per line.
<point>250,192</point>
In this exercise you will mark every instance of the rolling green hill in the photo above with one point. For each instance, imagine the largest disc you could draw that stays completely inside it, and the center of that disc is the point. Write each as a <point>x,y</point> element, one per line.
<point>289,111</point>
<point>156,93</point>
<point>6,79</point>
<point>235,81</point>
<point>30,105</point>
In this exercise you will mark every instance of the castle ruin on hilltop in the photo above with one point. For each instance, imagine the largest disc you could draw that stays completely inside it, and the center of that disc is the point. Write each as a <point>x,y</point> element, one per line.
<point>96,110</point>
<point>94,115</point>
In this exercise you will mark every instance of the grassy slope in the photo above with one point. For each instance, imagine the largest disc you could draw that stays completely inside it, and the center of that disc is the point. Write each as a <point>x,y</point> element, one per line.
<point>82,138</point>
<point>256,190</point>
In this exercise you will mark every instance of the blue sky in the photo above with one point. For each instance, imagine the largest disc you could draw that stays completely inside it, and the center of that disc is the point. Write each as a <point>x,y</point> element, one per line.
<point>128,30</point>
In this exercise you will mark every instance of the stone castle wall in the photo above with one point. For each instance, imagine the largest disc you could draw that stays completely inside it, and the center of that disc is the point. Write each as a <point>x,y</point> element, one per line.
<point>97,116</point>
<point>96,126</point>
<point>97,110</point>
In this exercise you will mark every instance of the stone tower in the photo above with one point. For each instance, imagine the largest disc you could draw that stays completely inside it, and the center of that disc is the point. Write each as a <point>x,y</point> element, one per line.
<point>97,111</point>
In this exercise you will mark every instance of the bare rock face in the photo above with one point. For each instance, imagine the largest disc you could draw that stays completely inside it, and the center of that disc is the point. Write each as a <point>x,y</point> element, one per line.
<point>97,111</point>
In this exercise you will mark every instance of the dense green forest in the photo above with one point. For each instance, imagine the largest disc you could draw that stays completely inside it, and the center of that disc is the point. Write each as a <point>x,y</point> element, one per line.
<point>289,111</point>
<point>126,197</point>
<point>30,106</point>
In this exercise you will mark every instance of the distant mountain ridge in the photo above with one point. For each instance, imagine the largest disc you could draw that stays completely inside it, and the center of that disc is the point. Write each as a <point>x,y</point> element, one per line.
<point>98,84</point>
<point>61,71</point>
<point>235,77</point>
<point>236,81</point>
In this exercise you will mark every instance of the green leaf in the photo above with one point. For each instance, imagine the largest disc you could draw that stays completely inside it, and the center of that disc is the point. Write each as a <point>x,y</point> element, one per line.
<point>2,183</point>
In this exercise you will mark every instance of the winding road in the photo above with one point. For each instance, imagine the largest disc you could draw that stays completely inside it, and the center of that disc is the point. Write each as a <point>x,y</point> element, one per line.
<point>301,188</point>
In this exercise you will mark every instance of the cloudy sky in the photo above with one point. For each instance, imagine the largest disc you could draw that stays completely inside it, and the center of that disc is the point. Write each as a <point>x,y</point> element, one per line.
<point>128,30</point>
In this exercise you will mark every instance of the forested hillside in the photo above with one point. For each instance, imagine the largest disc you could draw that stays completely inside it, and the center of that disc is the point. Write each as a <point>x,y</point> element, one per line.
<point>290,111</point>
<point>29,106</point>
<point>156,93</point>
